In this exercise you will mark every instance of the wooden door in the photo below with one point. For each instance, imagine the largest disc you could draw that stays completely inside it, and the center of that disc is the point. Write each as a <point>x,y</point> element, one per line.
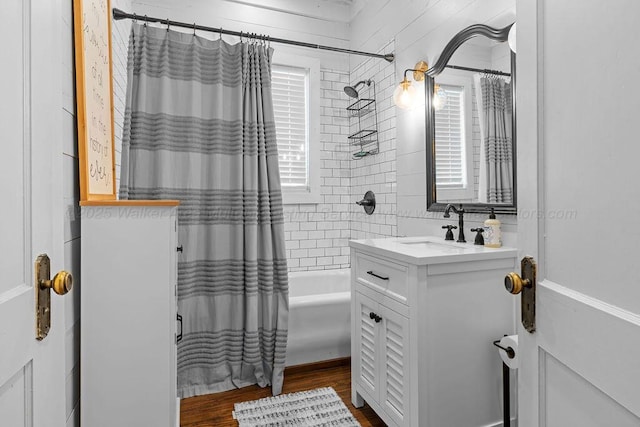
<point>32,381</point>
<point>579,199</point>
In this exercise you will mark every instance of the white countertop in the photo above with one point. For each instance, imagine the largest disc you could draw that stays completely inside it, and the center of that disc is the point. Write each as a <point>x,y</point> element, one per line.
<point>430,250</point>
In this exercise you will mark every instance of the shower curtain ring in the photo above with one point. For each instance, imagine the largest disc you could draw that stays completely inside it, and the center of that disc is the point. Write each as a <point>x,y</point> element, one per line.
<point>194,28</point>
<point>167,24</point>
<point>145,20</point>
<point>220,33</point>
<point>135,18</point>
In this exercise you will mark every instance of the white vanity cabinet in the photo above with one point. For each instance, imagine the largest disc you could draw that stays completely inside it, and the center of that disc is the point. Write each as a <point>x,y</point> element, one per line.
<point>380,333</point>
<point>424,316</point>
<point>128,301</point>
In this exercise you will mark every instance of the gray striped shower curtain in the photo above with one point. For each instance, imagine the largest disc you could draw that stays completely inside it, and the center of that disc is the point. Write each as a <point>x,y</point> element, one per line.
<point>497,139</point>
<point>199,127</point>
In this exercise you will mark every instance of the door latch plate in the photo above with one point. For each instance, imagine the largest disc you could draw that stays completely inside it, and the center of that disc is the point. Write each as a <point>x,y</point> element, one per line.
<point>529,269</point>
<point>43,297</point>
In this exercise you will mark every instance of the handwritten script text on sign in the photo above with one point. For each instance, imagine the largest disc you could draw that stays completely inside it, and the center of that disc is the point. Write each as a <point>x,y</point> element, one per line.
<point>95,28</point>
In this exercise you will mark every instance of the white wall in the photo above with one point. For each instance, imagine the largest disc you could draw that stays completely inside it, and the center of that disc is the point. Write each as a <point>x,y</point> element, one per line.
<point>287,19</point>
<point>421,30</point>
<point>71,197</point>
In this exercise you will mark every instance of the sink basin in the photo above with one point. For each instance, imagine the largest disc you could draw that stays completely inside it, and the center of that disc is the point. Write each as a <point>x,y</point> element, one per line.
<point>429,244</point>
<point>423,250</point>
<point>432,246</point>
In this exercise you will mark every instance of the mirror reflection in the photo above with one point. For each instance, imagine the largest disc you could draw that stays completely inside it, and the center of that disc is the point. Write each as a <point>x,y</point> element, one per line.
<point>473,125</point>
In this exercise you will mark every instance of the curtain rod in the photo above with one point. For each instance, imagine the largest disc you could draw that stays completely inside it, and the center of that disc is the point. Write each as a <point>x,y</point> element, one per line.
<point>119,14</point>
<point>499,73</point>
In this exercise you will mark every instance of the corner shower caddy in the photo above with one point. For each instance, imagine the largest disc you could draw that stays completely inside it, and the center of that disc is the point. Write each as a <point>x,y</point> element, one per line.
<point>366,135</point>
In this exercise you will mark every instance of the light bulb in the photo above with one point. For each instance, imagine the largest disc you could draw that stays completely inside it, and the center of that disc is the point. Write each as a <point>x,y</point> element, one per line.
<point>405,95</point>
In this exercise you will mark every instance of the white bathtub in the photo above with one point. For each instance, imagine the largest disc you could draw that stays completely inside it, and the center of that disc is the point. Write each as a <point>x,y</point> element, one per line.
<point>319,316</point>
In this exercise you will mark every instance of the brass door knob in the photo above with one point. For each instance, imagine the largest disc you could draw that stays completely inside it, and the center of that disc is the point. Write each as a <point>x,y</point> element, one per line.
<point>514,284</point>
<point>61,283</point>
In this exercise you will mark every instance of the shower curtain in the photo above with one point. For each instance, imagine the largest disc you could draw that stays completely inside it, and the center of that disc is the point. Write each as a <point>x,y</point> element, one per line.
<point>199,127</point>
<point>496,153</point>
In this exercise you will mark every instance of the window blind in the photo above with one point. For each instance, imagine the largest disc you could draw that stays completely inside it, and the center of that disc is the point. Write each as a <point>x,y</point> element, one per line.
<point>450,139</point>
<point>290,103</point>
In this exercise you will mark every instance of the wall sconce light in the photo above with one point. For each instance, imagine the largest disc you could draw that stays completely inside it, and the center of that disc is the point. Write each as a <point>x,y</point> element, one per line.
<point>405,95</point>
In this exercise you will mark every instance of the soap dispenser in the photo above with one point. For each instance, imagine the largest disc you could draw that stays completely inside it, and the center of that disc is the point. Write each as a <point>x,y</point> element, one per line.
<point>493,237</point>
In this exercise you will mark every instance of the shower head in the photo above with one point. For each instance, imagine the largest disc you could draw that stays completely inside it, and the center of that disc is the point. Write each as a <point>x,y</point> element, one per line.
<point>352,91</point>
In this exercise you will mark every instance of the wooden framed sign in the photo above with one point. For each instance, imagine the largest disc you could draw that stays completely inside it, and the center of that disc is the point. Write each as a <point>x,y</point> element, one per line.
<point>94,94</point>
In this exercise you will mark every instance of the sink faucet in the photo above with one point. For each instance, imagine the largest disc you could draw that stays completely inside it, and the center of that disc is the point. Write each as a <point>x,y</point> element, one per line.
<point>460,213</point>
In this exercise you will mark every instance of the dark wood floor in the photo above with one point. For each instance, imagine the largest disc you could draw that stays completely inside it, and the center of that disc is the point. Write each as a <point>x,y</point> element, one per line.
<point>214,410</point>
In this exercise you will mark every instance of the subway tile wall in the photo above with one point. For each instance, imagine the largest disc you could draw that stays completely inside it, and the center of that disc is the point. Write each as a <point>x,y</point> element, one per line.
<point>317,235</point>
<point>377,172</point>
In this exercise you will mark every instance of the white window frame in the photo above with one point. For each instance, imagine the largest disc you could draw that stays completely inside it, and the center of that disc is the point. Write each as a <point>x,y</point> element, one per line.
<point>311,194</point>
<point>468,192</point>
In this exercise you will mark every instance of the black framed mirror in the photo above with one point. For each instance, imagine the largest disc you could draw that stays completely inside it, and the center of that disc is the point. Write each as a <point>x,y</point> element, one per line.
<point>470,123</point>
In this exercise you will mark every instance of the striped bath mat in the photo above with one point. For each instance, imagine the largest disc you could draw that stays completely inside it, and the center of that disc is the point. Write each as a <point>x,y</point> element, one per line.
<point>318,407</point>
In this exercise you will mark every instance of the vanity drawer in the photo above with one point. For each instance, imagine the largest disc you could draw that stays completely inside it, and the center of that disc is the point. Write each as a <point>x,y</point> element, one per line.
<point>383,276</point>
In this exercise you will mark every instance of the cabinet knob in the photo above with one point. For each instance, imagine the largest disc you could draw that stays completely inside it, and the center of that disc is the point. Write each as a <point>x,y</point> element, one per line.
<point>375,317</point>
<point>179,249</point>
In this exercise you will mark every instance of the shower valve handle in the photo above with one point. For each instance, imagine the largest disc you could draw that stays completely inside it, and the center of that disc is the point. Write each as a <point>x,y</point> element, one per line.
<point>375,317</point>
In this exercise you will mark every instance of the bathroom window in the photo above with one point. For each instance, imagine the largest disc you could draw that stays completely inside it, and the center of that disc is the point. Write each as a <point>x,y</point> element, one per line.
<point>453,130</point>
<point>296,98</point>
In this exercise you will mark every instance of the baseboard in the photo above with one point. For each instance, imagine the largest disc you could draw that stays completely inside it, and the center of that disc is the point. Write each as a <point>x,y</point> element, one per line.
<point>316,366</point>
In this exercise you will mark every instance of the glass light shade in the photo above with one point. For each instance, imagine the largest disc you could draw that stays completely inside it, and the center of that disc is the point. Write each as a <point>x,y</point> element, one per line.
<point>405,95</point>
<point>512,38</point>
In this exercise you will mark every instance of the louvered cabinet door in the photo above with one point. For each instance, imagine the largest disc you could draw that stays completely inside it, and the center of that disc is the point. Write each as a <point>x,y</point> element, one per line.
<point>394,369</point>
<point>367,336</point>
